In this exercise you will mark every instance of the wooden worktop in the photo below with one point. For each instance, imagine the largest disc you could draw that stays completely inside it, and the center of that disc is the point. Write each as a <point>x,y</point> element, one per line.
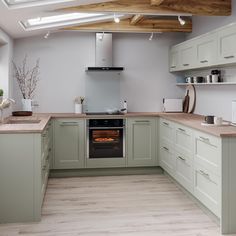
<point>191,120</point>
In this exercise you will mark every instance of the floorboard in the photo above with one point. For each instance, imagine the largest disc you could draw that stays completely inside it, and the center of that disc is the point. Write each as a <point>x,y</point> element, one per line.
<point>140,205</point>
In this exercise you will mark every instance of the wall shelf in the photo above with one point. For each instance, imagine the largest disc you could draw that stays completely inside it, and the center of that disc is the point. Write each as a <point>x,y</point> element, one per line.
<point>206,84</point>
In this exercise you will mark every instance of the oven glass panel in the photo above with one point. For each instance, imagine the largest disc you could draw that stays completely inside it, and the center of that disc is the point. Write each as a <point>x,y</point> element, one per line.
<point>106,143</point>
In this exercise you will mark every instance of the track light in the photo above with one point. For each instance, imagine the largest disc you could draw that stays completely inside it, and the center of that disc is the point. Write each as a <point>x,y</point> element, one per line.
<point>116,19</point>
<point>101,36</point>
<point>151,36</point>
<point>181,21</point>
<point>47,35</point>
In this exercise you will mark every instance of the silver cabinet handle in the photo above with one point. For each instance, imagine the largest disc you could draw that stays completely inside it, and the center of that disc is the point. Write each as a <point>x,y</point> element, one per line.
<point>182,130</point>
<point>204,139</point>
<point>142,121</point>
<point>44,167</point>
<point>204,174</point>
<point>172,67</point>
<point>68,123</point>
<point>204,61</point>
<point>165,123</point>
<point>229,57</point>
<point>185,64</point>
<point>181,158</point>
<point>167,149</point>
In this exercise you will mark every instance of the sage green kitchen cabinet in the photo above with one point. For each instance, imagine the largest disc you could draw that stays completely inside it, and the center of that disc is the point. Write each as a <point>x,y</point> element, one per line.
<point>142,141</point>
<point>24,171</point>
<point>69,143</point>
<point>226,45</point>
<point>174,60</point>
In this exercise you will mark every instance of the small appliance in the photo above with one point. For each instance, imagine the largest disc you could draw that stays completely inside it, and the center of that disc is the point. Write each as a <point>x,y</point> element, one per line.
<point>172,105</point>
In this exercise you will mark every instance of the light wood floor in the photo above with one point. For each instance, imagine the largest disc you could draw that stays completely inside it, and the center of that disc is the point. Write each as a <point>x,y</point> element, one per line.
<point>140,205</point>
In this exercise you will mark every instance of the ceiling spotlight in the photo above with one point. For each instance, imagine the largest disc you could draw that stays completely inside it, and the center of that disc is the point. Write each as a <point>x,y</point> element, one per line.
<point>181,21</point>
<point>47,35</point>
<point>101,36</point>
<point>116,19</point>
<point>151,36</point>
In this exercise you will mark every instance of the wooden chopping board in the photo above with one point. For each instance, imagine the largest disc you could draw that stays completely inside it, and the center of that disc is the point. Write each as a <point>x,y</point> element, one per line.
<point>192,98</point>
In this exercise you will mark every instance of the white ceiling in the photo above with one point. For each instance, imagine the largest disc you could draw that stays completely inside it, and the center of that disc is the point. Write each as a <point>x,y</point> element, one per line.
<point>9,17</point>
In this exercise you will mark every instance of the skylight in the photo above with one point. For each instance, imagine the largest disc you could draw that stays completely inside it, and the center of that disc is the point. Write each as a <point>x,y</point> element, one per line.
<point>31,3</point>
<point>64,20</point>
<point>59,18</point>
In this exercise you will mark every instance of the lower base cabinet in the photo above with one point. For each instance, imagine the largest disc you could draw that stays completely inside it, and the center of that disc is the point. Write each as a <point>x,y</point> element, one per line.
<point>24,170</point>
<point>69,143</point>
<point>141,141</point>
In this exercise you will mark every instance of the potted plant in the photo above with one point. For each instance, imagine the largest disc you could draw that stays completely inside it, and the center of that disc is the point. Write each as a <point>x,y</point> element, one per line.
<point>27,80</point>
<point>79,105</point>
<point>1,95</point>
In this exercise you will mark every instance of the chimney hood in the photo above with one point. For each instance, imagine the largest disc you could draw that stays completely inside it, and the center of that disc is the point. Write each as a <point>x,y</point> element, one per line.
<point>103,54</point>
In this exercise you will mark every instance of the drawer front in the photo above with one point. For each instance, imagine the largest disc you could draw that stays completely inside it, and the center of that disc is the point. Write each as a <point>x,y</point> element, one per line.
<point>166,130</point>
<point>184,170</point>
<point>167,157</point>
<point>184,139</point>
<point>207,188</point>
<point>208,152</point>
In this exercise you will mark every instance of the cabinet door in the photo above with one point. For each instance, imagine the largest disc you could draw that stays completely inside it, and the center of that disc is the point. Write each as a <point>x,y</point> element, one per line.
<point>188,56</point>
<point>69,144</point>
<point>227,45</point>
<point>167,157</point>
<point>167,130</point>
<point>142,139</point>
<point>174,59</point>
<point>184,170</point>
<point>207,50</point>
<point>207,188</point>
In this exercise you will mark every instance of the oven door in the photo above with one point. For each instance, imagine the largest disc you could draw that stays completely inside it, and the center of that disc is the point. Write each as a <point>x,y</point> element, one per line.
<point>105,143</point>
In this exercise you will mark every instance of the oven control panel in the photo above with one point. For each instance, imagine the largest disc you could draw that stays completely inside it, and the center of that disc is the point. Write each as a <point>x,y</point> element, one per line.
<point>106,122</point>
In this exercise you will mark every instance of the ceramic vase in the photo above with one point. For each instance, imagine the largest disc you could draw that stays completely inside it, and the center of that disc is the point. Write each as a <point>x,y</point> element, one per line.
<point>78,108</point>
<point>26,105</point>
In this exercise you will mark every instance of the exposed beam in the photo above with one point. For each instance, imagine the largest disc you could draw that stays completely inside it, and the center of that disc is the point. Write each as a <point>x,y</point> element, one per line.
<point>156,2</point>
<point>147,25</point>
<point>136,19</point>
<point>194,7</point>
<point>197,7</point>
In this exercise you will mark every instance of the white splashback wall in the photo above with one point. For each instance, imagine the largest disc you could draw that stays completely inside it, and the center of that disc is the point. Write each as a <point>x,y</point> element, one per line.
<point>65,55</point>
<point>215,100</point>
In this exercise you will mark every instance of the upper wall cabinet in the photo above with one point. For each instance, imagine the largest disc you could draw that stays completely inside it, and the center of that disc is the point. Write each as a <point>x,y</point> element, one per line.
<point>227,45</point>
<point>174,58</point>
<point>206,50</point>
<point>187,56</point>
<point>212,49</point>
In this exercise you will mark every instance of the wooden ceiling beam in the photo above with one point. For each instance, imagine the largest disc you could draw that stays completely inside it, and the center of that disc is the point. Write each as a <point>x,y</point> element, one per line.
<point>194,7</point>
<point>146,26</point>
<point>156,2</point>
<point>136,19</point>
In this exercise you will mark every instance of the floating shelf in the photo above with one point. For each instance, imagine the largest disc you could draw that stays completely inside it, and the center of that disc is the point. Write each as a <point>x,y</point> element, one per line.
<point>202,84</point>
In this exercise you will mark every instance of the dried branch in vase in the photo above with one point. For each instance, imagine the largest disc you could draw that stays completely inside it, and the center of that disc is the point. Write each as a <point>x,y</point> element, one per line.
<point>27,78</point>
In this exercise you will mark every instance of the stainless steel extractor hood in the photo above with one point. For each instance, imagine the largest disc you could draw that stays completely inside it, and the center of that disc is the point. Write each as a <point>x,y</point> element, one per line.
<point>104,56</point>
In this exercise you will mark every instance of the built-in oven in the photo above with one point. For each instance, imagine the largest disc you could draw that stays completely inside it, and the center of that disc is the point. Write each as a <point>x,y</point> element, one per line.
<point>105,138</point>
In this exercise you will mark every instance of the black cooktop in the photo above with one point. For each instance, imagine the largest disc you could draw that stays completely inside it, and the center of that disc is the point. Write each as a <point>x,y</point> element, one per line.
<point>103,113</point>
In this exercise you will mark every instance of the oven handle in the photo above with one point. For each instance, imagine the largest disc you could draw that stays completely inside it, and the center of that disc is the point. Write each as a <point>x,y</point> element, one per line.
<point>106,127</point>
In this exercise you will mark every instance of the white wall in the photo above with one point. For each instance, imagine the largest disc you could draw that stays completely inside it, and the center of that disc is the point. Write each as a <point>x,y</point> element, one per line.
<point>215,100</point>
<point>6,51</point>
<point>65,55</point>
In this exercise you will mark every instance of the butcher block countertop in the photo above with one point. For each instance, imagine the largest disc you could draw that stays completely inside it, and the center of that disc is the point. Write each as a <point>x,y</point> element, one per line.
<point>191,120</point>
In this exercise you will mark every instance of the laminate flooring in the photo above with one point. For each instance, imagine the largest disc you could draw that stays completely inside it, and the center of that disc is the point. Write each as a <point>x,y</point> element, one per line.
<point>133,205</point>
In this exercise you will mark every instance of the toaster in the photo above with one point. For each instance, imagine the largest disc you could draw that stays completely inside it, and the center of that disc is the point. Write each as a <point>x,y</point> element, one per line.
<point>172,105</point>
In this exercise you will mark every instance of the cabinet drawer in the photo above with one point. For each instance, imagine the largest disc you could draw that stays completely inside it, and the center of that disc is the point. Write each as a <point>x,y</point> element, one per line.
<point>184,170</point>
<point>208,152</point>
<point>167,157</point>
<point>207,188</point>
<point>166,130</point>
<point>184,139</point>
